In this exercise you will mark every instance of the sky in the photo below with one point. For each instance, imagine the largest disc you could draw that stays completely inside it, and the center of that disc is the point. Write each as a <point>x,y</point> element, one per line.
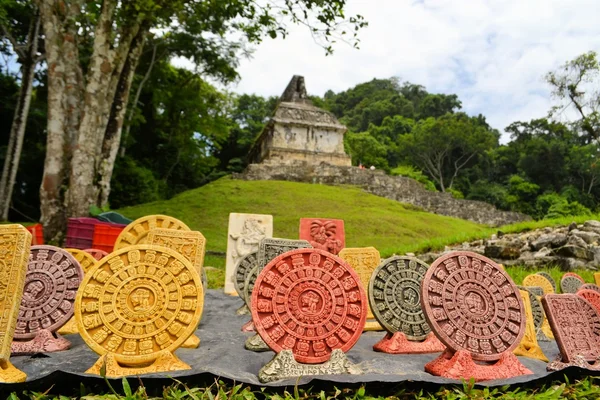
<point>492,54</point>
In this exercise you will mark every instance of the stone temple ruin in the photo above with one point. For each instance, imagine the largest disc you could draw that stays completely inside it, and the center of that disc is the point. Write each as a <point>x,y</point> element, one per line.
<point>300,131</point>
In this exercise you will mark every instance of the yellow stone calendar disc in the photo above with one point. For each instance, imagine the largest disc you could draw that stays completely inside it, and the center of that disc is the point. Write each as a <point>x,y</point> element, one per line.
<point>137,231</point>
<point>139,302</point>
<point>85,259</point>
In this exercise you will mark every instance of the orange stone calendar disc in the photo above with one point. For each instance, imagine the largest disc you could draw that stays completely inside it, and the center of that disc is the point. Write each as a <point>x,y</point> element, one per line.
<point>310,302</point>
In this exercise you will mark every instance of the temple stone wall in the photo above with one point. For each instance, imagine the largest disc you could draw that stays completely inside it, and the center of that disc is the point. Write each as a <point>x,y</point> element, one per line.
<point>397,188</point>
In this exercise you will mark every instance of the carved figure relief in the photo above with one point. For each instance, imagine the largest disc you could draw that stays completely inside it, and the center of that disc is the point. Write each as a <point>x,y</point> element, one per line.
<point>323,234</point>
<point>472,304</point>
<point>137,231</point>
<point>310,302</point>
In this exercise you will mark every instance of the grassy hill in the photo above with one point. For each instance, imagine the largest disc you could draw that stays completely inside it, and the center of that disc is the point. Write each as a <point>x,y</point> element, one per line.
<point>369,220</point>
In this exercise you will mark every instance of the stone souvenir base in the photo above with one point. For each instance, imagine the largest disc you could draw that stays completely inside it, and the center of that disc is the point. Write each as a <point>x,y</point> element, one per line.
<point>69,328</point>
<point>397,343</point>
<point>243,310</point>
<point>460,365</point>
<point>248,327</point>
<point>44,342</point>
<point>10,374</point>
<point>165,362</point>
<point>284,366</point>
<point>578,361</point>
<point>193,342</point>
<point>256,343</point>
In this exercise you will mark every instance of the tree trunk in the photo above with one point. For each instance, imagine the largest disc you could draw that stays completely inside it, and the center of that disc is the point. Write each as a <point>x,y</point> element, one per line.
<point>112,135</point>
<point>17,131</point>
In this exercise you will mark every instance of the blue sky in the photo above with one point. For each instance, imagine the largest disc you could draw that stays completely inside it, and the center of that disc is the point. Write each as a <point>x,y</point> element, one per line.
<point>493,54</point>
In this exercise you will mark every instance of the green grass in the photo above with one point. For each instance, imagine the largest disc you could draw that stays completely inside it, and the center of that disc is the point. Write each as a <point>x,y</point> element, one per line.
<point>369,220</point>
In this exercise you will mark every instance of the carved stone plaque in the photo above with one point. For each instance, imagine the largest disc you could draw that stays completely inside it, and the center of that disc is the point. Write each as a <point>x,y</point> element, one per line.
<point>85,259</point>
<point>139,302</point>
<point>539,280</point>
<point>191,244</point>
<point>242,269</point>
<point>243,237</point>
<point>323,233</point>
<point>137,231</point>
<point>395,296</point>
<point>311,302</point>
<point>570,284</point>
<point>96,253</point>
<point>53,277</point>
<point>590,286</point>
<point>270,248</point>
<point>576,326</point>
<point>471,304</point>
<point>15,243</point>
<point>550,279</point>
<point>363,261</point>
<point>591,296</point>
<point>529,346</point>
<point>574,275</point>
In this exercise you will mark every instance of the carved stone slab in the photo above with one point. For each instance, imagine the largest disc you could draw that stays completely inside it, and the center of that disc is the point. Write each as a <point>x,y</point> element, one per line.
<point>283,366</point>
<point>574,275</point>
<point>364,260</point>
<point>97,253</point>
<point>576,326</point>
<point>590,286</point>
<point>310,302</point>
<point>597,278</point>
<point>537,312</point>
<point>137,231</point>
<point>323,233</point>
<point>529,347</point>
<point>243,237</point>
<point>243,267</point>
<point>53,277</point>
<point>190,244</point>
<point>570,284</point>
<point>85,259</point>
<point>269,248</point>
<point>139,302</point>
<point>591,296</point>
<point>15,242</point>
<point>539,280</point>
<point>550,279</point>
<point>471,304</point>
<point>395,296</point>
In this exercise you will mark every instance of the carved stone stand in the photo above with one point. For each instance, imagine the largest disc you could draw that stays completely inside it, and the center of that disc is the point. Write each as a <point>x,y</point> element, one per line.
<point>243,310</point>
<point>69,328</point>
<point>460,365</point>
<point>11,374</point>
<point>284,366</point>
<point>44,342</point>
<point>530,349</point>
<point>248,327</point>
<point>164,362</point>
<point>579,361</point>
<point>397,343</point>
<point>193,342</point>
<point>256,343</point>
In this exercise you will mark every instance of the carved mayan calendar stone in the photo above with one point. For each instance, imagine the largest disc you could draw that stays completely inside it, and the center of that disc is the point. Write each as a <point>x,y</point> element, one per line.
<point>476,310</point>
<point>136,307</point>
<point>535,290</point>
<point>323,233</point>
<point>137,231</point>
<point>243,237</point>
<point>270,248</point>
<point>53,277</point>
<point>574,275</point>
<point>549,278</point>
<point>570,284</point>
<point>97,253</point>
<point>364,260</point>
<point>190,244</point>
<point>243,267</point>
<point>529,347</point>
<point>15,243</point>
<point>248,287</point>
<point>591,296</point>
<point>539,280</point>
<point>590,286</point>
<point>310,302</point>
<point>395,298</point>
<point>537,312</point>
<point>576,326</point>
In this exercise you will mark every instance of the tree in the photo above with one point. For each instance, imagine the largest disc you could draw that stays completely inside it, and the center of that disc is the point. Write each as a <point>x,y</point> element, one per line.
<point>445,146</point>
<point>20,26</point>
<point>575,84</point>
<point>366,150</point>
<point>93,49</point>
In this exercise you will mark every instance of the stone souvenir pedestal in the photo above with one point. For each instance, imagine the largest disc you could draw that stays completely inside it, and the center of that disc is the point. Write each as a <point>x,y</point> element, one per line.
<point>460,365</point>
<point>578,361</point>
<point>164,362</point>
<point>69,328</point>
<point>193,342</point>
<point>248,327</point>
<point>243,310</point>
<point>256,343</point>
<point>44,342</point>
<point>11,374</point>
<point>397,343</point>
<point>284,366</point>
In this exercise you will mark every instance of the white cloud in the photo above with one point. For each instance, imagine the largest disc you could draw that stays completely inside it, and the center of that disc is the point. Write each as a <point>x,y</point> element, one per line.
<point>492,53</point>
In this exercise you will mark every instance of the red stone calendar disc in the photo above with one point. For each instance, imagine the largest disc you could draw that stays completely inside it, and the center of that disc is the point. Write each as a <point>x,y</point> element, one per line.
<point>311,302</point>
